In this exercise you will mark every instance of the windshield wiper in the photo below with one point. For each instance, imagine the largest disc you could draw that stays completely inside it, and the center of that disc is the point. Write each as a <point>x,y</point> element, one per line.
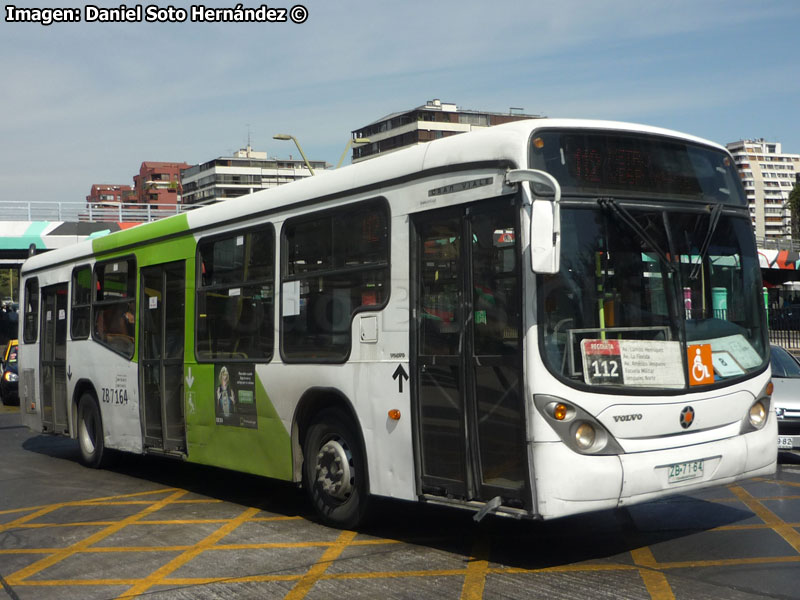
<point>626,217</point>
<point>713,221</point>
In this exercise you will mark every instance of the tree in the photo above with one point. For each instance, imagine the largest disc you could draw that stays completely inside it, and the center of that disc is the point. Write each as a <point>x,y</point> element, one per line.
<point>9,283</point>
<point>794,206</point>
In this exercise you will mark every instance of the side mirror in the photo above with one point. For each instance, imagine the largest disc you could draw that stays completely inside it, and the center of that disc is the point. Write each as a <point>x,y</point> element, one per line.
<point>545,198</point>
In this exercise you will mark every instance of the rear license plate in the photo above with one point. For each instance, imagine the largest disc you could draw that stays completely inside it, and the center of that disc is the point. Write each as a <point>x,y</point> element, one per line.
<point>683,471</point>
<point>785,442</point>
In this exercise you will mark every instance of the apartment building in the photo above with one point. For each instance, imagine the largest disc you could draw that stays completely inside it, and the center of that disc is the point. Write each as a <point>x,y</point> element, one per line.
<point>103,194</point>
<point>245,172</point>
<point>431,121</point>
<point>159,182</point>
<point>768,175</point>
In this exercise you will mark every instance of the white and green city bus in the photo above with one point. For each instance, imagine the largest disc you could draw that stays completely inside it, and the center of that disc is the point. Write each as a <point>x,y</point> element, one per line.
<point>537,319</point>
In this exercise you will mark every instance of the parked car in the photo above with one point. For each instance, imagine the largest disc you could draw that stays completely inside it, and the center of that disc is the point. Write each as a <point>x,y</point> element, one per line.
<point>786,397</point>
<point>9,380</point>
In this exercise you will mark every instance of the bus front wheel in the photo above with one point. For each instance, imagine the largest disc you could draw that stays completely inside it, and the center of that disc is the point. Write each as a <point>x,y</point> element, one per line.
<point>334,473</point>
<point>90,432</point>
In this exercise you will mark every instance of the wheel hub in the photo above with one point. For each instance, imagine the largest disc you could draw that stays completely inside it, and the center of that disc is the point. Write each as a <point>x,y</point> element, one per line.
<point>334,472</point>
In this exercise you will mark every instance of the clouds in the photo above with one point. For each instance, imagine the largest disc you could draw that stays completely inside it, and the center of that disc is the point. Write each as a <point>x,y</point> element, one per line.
<point>98,99</point>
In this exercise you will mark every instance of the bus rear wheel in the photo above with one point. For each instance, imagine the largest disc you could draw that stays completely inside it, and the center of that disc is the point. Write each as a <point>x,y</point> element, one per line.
<point>334,473</point>
<point>90,433</point>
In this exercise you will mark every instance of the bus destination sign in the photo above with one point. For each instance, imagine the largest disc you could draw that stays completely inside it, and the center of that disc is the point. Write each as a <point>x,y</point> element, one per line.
<point>645,363</point>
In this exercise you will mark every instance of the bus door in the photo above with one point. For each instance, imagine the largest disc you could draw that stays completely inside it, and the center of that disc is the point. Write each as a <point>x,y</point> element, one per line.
<point>53,358</point>
<point>469,412</point>
<point>161,335</point>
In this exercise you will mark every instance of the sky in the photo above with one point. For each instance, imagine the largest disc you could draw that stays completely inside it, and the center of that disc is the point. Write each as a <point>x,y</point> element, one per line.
<point>84,103</point>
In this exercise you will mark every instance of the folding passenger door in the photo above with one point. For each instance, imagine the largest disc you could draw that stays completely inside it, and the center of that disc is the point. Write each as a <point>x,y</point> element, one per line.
<point>162,314</point>
<point>469,412</point>
<point>53,358</point>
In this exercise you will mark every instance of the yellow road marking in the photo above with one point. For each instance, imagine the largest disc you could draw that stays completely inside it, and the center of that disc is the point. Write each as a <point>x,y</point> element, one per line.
<point>243,579</point>
<point>316,572</point>
<point>781,527</point>
<point>71,582</point>
<point>159,574</point>
<point>654,580</point>
<point>88,502</point>
<point>215,548</point>
<point>67,524</point>
<point>777,481</point>
<point>575,568</point>
<point>475,578</point>
<point>730,562</point>
<point>49,561</point>
<point>474,574</point>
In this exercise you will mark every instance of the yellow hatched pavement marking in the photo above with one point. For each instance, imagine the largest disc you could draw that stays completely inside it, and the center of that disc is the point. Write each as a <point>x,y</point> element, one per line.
<point>89,502</point>
<point>654,580</point>
<point>159,574</point>
<point>16,578</point>
<point>781,527</point>
<point>315,573</point>
<point>478,566</point>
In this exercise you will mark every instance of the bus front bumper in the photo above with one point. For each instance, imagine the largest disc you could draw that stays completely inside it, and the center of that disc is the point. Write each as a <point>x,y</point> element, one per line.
<point>569,483</point>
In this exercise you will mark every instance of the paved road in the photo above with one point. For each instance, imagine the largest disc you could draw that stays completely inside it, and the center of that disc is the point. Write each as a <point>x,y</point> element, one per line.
<point>155,528</point>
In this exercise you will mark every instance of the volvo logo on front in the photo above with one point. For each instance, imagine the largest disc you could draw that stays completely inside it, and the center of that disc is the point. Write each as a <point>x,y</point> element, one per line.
<point>687,417</point>
<point>633,417</point>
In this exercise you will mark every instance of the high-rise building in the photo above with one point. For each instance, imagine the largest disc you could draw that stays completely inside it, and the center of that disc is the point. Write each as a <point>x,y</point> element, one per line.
<point>245,172</point>
<point>768,175</point>
<point>433,120</point>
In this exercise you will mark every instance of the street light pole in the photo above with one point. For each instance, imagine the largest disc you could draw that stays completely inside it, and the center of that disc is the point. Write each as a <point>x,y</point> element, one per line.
<point>286,136</point>
<point>350,142</point>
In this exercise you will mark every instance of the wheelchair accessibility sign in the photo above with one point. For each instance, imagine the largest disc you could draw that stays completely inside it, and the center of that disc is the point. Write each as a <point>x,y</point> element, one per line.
<point>701,367</point>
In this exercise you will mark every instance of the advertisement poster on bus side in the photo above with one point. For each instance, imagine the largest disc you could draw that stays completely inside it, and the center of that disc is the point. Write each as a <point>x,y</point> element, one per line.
<point>235,395</point>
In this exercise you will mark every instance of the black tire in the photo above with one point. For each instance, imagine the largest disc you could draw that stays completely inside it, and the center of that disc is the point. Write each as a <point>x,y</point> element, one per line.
<point>90,433</point>
<point>334,471</point>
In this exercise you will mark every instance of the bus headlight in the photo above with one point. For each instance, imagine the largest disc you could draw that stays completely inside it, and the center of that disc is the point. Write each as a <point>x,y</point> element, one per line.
<point>9,376</point>
<point>585,436</point>
<point>579,430</point>
<point>758,414</point>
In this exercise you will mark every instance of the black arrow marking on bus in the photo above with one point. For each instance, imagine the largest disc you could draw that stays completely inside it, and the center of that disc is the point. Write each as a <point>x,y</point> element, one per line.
<point>401,373</point>
<point>69,372</point>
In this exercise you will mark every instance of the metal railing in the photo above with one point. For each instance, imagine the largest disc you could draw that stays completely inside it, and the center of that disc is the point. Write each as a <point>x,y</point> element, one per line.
<point>777,244</point>
<point>11,210</point>
<point>784,326</point>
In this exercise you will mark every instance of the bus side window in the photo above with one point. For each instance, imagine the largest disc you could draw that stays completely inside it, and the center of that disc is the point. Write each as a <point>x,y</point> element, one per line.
<point>114,305</point>
<point>30,326</point>
<point>337,264</point>
<point>235,295</point>
<point>81,302</point>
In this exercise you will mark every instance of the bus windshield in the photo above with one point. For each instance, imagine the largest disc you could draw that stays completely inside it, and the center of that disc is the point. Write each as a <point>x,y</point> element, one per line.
<point>593,163</point>
<point>653,298</point>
